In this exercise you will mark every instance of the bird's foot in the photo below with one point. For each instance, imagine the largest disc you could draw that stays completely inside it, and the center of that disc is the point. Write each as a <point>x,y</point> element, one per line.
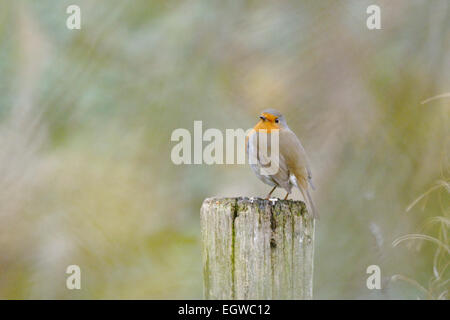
<point>270,193</point>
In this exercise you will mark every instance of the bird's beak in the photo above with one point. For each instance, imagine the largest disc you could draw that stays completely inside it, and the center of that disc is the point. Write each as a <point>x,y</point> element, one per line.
<point>262,118</point>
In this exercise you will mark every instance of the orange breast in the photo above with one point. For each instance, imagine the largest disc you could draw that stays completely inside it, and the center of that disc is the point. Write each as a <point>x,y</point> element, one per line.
<point>266,125</point>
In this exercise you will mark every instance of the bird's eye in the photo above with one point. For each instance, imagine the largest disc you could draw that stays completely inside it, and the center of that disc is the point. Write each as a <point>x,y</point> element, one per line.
<point>276,120</point>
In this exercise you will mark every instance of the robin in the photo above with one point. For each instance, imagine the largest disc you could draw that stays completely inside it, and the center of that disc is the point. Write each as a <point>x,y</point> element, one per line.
<point>293,169</point>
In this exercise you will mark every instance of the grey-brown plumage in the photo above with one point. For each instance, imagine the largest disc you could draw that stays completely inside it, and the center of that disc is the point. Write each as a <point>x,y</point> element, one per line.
<point>292,161</point>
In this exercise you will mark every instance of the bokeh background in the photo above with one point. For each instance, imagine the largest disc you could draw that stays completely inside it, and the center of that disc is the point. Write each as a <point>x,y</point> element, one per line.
<point>86,118</point>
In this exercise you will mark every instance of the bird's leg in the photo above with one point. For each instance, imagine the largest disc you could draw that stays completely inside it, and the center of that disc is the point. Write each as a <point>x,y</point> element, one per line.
<point>270,193</point>
<point>287,194</point>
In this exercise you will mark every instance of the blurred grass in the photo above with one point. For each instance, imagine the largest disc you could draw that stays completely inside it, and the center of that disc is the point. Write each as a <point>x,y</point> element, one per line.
<point>86,118</point>
<point>439,283</point>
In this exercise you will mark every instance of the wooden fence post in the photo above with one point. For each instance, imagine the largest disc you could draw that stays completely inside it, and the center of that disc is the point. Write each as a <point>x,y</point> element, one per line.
<point>257,249</point>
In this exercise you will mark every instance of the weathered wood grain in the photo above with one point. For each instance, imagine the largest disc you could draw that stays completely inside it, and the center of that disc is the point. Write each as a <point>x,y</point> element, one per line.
<point>217,218</point>
<point>257,249</point>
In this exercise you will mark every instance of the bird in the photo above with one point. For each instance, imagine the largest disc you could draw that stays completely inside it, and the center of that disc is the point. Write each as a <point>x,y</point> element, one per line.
<point>293,165</point>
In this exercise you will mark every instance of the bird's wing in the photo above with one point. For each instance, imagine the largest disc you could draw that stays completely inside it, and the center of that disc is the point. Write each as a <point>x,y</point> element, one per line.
<point>297,162</point>
<point>295,155</point>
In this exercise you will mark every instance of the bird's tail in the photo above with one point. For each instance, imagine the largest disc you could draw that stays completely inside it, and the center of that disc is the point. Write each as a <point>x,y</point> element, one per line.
<point>309,202</point>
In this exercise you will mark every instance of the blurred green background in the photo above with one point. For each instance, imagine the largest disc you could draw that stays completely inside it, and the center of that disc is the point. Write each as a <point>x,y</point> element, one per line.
<point>86,117</point>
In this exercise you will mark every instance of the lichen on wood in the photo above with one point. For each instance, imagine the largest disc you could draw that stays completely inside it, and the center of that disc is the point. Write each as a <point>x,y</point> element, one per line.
<point>257,249</point>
